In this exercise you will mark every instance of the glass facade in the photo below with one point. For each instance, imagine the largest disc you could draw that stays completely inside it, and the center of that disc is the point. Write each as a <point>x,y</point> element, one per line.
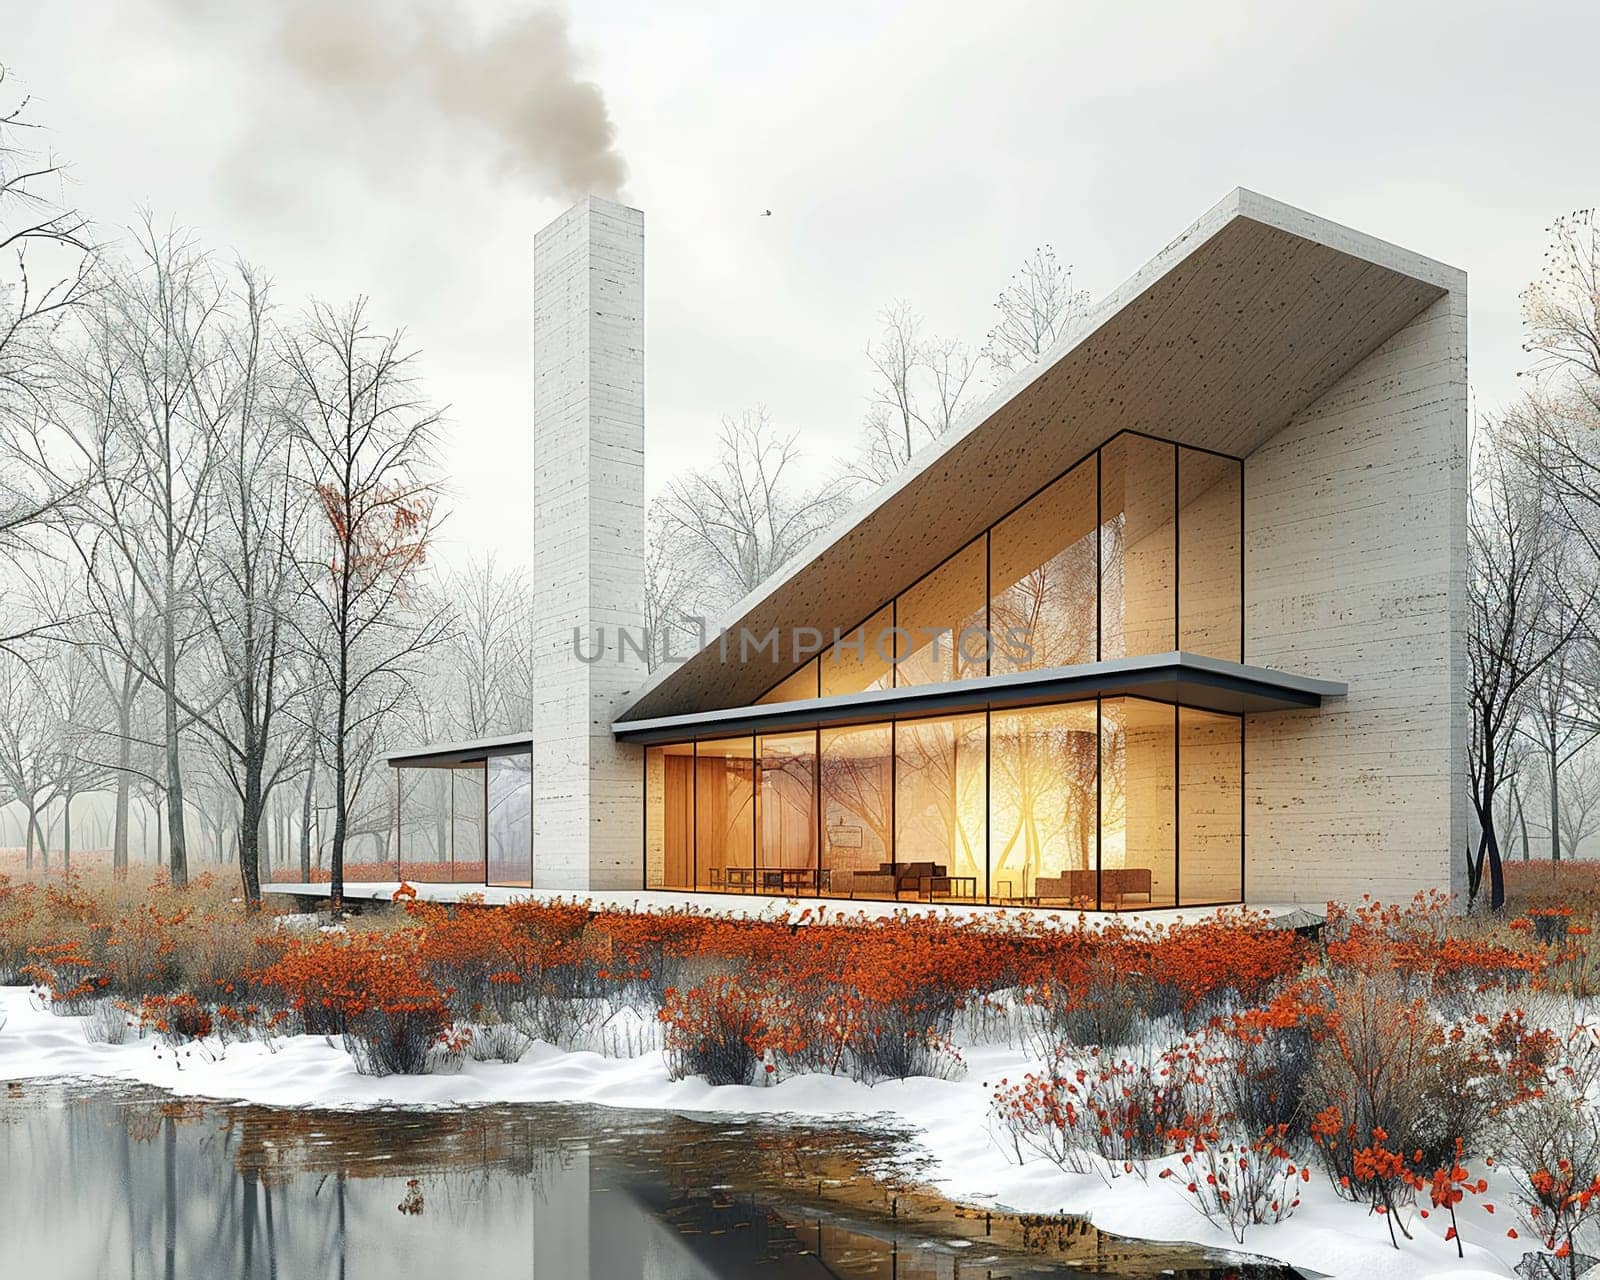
<point>1043,577</point>
<point>440,825</point>
<point>856,773</point>
<point>725,814</point>
<point>1138,547</point>
<point>508,826</point>
<point>787,814</point>
<point>942,622</point>
<point>470,822</point>
<point>1044,802</point>
<point>1135,550</point>
<point>1115,803</point>
<point>1210,555</point>
<point>940,812</point>
<point>1210,804</point>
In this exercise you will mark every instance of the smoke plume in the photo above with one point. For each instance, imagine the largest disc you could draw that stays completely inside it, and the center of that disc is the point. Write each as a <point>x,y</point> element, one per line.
<point>517,85</point>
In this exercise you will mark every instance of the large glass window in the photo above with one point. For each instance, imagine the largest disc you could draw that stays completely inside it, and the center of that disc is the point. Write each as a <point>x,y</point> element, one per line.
<point>1210,564</point>
<point>1138,549</point>
<point>1043,810</point>
<point>786,813</point>
<point>466,823</point>
<point>939,820</point>
<point>863,659</point>
<point>1135,551</point>
<point>1138,803</point>
<point>669,816</point>
<point>1210,806</point>
<point>797,687</point>
<point>857,770</point>
<point>942,623</point>
<point>508,800</point>
<point>725,826</point>
<point>440,824</point>
<point>1124,803</point>
<point>1042,577</point>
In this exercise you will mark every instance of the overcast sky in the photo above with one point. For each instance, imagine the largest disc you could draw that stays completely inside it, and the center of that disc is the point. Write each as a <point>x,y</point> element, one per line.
<point>916,151</point>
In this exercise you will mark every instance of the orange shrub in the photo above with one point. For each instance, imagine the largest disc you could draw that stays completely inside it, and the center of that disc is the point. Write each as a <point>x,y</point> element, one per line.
<point>722,1029</point>
<point>371,989</point>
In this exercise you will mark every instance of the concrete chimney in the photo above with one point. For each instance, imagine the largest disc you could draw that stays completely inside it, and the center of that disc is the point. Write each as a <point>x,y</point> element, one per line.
<point>589,544</point>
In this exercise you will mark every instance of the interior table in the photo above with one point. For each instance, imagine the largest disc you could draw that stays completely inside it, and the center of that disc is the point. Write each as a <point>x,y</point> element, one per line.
<point>946,886</point>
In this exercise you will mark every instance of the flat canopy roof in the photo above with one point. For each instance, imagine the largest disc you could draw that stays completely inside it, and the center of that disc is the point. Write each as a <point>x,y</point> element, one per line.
<point>1219,341</point>
<point>451,755</point>
<point>1207,683</point>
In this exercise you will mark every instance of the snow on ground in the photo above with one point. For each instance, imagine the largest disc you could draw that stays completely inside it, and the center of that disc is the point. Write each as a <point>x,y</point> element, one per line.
<point>1326,1235</point>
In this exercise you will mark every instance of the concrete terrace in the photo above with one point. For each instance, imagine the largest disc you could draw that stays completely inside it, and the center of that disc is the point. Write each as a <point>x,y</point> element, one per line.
<point>766,907</point>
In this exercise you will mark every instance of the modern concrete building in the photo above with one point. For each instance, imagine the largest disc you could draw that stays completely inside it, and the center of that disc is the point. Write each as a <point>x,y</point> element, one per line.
<point>1175,618</point>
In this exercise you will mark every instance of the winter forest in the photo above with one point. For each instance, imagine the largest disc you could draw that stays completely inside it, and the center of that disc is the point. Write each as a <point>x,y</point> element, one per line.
<point>221,600</point>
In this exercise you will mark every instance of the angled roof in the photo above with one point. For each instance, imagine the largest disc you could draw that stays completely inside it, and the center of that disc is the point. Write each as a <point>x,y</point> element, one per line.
<point>1218,341</point>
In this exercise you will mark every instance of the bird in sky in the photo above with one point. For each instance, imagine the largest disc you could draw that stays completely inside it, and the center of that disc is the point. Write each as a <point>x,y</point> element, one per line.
<point>766,213</point>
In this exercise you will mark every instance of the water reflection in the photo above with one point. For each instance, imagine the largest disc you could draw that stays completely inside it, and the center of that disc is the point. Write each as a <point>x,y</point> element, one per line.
<point>99,1182</point>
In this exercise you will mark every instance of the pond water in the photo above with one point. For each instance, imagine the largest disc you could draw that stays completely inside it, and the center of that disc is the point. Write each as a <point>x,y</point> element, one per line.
<point>116,1182</point>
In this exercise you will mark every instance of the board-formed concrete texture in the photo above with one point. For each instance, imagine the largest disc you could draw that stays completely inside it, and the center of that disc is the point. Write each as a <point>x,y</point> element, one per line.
<point>589,540</point>
<point>1355,561</point>
<point>1335,365</point>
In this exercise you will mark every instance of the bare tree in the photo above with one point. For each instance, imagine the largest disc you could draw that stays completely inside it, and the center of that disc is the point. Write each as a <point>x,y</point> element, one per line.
<point>1513,811</point>
<point>35,222</point>
<point>1561,717</point>
<point>77,706</point>
<point>366,438</point>
<point>1559,423</point>
<point>1037,308</point>
<point>1513,631</point>
<point>1580,802</point>
<point>60,599</point>
<point>919,389</point>
<point>247,574</point>
<point>48,258</point>
<point>148,396</point>
<point>738,522</point>
<point>672,625</point>
<point>27,726</point>
<point>490,608</point>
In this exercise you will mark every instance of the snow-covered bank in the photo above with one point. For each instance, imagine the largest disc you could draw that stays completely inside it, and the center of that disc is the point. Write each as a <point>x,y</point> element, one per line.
<point>1325,1236</point>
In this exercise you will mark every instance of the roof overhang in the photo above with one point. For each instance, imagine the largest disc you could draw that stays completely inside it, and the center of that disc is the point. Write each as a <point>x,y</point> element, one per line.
<point>454,755</point>
<point>1193,681</point>
<point>1232,329</point>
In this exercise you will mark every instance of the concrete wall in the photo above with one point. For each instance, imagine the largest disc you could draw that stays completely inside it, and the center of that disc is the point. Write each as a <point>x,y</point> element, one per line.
<point>589,541</point>
<point>1355,570</point>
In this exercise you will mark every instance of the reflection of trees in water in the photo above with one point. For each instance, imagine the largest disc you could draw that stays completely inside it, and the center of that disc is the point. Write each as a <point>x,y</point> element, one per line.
<point>319,1194</point>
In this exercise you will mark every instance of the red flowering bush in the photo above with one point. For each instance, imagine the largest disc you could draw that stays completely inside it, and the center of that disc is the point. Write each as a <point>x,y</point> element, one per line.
<point>18,911</point>
<point>178,1020</point>
<point>1236,1184</point>
<point>1447,1186</point>
<point>371,990</point>
<point>1122,1111</point>
<point>722,1030</point>
<point>1386,1062</point>
<point>1552,1141</point>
